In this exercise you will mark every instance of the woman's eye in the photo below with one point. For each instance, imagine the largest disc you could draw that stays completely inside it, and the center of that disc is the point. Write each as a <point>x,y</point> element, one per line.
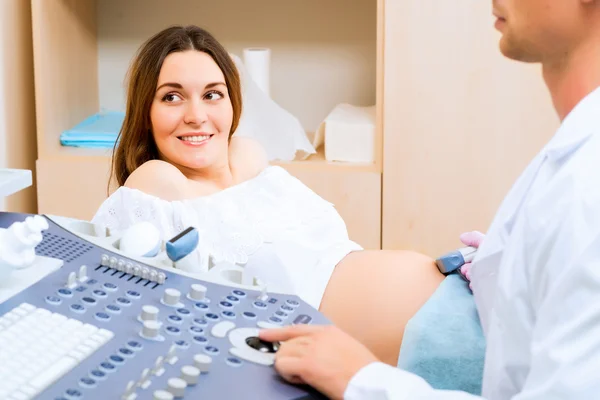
<point>214,95</point>
<point>171,97</point>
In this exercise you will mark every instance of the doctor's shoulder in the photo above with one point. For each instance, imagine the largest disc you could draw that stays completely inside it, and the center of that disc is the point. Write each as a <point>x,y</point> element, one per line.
<point>158,178</point>
<point>247,158</point>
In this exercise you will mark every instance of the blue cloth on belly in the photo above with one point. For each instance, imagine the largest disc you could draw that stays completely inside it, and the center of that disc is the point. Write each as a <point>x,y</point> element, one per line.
<point>444,343</point>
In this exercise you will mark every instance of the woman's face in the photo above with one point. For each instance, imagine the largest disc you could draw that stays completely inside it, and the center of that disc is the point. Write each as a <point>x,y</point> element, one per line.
<point>191,113</point>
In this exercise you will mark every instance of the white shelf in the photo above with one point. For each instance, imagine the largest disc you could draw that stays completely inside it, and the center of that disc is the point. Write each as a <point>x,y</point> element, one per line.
<point>13,180</point>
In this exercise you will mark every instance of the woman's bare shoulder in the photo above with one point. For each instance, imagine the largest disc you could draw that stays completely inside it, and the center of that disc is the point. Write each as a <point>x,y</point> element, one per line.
<point>158,178</point>
<point>247,158</point>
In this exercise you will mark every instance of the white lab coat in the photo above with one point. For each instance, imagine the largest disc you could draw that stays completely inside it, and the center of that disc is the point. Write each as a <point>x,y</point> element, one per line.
<point>536,281</point>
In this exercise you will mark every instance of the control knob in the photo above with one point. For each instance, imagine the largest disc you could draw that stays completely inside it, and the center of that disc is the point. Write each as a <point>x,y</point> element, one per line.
<point>171,297</point>
<point>150,329</point>
<point>197,292</point>
<point>162,395</point>
<point>190,374</point>
<point>177,386</point>
<point>149,313</point>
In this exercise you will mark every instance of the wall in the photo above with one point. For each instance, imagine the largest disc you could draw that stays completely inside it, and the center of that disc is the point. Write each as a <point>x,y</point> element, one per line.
<point>323,52</point>
<point>18,147</point>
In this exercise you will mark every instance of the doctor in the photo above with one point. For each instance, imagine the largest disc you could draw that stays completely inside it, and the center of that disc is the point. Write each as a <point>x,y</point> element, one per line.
<point>536,276</point>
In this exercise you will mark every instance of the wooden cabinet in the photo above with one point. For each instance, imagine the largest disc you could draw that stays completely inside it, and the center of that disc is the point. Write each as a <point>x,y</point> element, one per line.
<point>460,122</point>
<point>323,54</point>
<point>17,105</point>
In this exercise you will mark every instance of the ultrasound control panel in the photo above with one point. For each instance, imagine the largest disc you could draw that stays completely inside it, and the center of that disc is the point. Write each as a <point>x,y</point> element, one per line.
<point>100,325</point>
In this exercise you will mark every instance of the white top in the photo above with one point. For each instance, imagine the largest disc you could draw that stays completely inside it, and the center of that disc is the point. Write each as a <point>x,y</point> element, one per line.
<point>536,280</point>
<point>273,210</point>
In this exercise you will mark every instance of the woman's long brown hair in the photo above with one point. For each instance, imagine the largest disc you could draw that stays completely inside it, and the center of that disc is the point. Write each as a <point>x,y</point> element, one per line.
<point>135,144</point>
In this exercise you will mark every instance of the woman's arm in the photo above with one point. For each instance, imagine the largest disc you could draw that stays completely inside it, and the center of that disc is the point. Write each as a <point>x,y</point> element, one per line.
<point>158,178</point>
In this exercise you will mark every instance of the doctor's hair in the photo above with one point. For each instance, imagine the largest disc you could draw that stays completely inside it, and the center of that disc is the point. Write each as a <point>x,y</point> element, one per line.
<point>135,143</point>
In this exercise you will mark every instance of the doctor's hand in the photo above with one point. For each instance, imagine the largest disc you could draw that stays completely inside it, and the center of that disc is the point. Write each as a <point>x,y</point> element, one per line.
<point>473,239</point>
<point>323,357</point>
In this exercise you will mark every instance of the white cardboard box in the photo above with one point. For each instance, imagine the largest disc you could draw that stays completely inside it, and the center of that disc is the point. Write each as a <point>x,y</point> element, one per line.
<point>348,133</point>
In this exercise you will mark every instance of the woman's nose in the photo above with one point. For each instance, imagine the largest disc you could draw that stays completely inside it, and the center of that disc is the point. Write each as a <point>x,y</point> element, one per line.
<point>195,113</point>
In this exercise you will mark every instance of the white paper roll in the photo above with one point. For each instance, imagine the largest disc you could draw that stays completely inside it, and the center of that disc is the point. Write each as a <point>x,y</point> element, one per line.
<point>258,61</point>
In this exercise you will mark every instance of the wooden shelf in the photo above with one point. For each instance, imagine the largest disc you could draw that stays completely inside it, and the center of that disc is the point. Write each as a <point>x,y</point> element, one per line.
<point>316,162</point>
<point>66,153</point>
<point>82,49</point>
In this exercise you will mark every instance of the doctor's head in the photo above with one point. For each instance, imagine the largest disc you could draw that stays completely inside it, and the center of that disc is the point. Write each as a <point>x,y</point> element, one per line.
<point>545,31</point>
<point>183,103</point>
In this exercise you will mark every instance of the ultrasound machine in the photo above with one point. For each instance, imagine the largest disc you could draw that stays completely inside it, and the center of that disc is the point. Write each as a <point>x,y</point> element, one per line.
<point>81,318</point>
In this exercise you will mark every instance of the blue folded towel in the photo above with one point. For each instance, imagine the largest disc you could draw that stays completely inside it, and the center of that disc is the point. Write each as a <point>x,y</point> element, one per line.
<point>98,131</point>
<point>444,343</point>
